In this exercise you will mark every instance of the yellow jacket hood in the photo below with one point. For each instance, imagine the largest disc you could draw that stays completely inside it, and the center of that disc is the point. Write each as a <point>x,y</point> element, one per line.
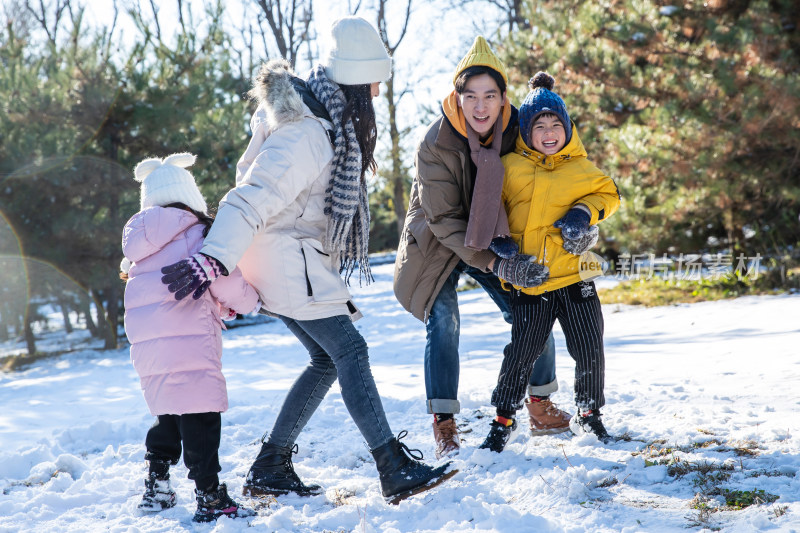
<point>574,148</point>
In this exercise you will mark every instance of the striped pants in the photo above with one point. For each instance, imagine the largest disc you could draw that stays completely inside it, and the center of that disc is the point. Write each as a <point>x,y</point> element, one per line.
<point>577,309</point>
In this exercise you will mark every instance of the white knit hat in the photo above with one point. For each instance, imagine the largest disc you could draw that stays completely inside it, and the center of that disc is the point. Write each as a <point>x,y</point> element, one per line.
<point>167,182</point>
<point>357,55</point>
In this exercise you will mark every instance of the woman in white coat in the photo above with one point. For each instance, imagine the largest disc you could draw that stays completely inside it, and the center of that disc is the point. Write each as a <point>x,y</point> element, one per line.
<point>297,217</point>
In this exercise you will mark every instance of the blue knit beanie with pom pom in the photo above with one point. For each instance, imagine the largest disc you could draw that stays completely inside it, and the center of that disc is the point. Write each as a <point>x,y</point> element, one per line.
<point>541,99</point>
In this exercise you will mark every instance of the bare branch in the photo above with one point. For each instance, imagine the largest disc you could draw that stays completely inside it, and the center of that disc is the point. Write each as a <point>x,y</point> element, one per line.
<point>382,24</point>
<point>290,31</point>
<point>41,17</point>
<point>406,90</point>
<point>250,63</point>
<point>180,16</point>
<point>109,36</point>
<point>308,17</point>
<point>513,11</point>
<point>155,17</point>
<point>353,10</point>
<point>263,35</point>
<point>289,24</point>
<point>275,25</point>
<point>405,27</point>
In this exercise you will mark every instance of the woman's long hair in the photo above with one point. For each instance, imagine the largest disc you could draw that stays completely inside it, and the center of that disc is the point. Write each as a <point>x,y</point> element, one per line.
<point>358,106</point>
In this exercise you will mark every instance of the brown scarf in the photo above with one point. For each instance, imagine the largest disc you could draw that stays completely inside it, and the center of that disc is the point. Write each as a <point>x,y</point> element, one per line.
<point>487,216</point>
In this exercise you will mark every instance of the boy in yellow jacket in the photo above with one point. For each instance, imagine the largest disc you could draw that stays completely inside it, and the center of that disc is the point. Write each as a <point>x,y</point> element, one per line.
<point>554,198</point>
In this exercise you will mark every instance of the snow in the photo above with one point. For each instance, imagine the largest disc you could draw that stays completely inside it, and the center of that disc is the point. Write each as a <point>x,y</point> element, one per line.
<point>711,384</point>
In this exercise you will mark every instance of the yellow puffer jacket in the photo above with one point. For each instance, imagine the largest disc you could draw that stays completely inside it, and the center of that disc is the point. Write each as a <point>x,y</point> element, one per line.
<point>538,190</point>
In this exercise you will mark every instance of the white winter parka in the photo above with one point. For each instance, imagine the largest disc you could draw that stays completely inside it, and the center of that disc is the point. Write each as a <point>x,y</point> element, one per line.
<point>272,223</point>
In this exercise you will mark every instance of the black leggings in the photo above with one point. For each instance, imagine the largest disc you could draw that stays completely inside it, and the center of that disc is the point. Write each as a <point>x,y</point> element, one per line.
<point>200,434</point>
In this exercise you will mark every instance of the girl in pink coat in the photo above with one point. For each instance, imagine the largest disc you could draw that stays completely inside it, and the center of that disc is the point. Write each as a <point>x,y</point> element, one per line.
<point>176,346</point>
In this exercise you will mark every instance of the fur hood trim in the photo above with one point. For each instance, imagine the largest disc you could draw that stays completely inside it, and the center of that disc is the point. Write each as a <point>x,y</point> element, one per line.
<point>273,90</point>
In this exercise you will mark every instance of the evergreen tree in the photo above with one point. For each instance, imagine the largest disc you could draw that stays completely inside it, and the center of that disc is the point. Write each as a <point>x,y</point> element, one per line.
<point>77,121</point>
<point>692,108</point>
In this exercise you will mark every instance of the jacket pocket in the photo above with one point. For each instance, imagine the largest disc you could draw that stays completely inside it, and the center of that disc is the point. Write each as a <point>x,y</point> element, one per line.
<point>420,232</point>
<point>559,261</point>
<point>323,282</point>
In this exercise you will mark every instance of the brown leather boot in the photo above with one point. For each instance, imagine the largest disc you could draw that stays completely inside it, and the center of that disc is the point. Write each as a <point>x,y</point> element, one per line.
<point>546,418</point>
<point>446,435</point>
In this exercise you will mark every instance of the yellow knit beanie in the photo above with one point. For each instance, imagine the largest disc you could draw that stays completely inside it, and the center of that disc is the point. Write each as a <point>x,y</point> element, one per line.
<point>481,55</point>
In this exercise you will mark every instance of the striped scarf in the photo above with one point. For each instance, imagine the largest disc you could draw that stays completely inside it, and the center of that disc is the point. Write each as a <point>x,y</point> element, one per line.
<point>346,199</point>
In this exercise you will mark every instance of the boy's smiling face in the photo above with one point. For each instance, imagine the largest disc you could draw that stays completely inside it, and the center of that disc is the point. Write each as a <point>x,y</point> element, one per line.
<point>548,135</point>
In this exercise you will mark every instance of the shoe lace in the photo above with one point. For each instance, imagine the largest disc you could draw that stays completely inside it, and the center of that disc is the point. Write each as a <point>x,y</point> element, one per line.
<point>412,453</point>
<point>288,466</point>
<point>550,408</point>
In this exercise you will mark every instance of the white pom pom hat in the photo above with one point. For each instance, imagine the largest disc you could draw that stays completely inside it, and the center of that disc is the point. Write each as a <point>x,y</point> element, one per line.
<point>167,181</point>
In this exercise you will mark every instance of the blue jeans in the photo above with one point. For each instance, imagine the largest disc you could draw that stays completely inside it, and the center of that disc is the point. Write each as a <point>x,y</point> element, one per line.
<point>337,349</point>
<point>441,350</point>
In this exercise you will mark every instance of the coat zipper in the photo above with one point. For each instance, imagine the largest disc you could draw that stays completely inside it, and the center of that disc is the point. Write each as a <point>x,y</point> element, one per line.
<point>309,291</point>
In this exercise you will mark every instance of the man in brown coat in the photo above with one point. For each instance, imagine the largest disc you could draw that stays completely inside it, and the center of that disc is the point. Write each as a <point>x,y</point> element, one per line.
<point>442,239</point>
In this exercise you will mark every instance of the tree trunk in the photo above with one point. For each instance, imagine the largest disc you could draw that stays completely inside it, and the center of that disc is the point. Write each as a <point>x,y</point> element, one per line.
<point>516,17</point>
<point>19,321</point>
<point>398,176</point>
<point>104,325</point>
<point>29,338</point>
<point>112,316</point>
<point>112,291</point>
<point>65,314</point>
<point>86,309</point>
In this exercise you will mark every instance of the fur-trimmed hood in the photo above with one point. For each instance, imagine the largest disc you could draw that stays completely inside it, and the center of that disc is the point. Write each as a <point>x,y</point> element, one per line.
<point>276,95</point>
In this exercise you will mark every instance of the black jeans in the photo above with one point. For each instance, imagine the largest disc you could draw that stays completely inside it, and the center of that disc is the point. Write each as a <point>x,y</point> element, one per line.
<point>200,434</point>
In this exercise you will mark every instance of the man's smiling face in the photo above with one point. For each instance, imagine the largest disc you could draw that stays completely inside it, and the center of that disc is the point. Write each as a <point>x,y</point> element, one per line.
<point>481,102</point>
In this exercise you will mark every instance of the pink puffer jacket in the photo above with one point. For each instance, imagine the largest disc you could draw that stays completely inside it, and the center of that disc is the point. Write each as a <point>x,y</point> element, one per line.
<point>176,346</point>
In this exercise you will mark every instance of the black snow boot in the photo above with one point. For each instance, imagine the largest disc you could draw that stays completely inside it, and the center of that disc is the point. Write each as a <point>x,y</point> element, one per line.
<point>158,494</point>
<point>401,472</point>
<point>500,434</point>
<point>215,502</point>
<point>590,422</point>
<point>272,474</point>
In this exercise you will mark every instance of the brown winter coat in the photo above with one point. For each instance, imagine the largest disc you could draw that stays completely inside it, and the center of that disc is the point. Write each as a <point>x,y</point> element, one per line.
<point>432,242</point>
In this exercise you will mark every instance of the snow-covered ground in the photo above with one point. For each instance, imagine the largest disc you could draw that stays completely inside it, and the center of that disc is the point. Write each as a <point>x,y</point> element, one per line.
<point>706,397</point>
